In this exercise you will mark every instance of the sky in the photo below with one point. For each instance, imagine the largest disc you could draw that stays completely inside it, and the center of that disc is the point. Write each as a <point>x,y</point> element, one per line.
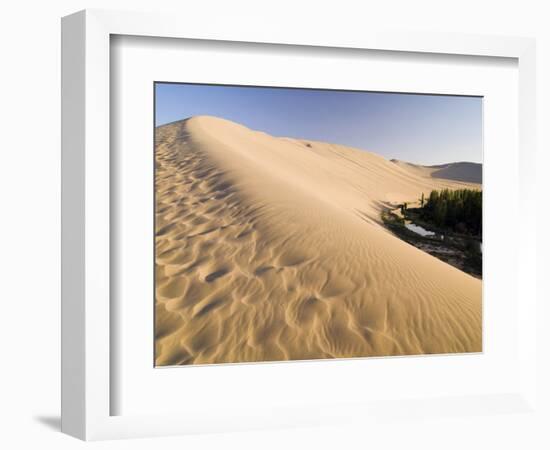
<point>422,129</point>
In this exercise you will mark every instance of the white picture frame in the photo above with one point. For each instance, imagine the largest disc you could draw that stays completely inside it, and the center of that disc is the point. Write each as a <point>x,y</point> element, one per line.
<point>86,284</point>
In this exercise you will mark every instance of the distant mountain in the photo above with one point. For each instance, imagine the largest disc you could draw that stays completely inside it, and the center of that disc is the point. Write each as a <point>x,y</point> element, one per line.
<point>466,172</point>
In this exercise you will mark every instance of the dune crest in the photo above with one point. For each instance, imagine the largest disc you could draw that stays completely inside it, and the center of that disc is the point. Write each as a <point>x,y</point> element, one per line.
<point>272,249</point>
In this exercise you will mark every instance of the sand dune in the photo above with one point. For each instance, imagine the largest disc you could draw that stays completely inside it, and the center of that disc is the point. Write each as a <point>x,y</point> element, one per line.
<point>466,172</point>
<point>272,249</point>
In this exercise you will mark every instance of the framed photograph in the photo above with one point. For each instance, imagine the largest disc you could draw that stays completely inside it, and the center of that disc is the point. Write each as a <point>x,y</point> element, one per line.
<point>282,249</point>
<point>266,228</point>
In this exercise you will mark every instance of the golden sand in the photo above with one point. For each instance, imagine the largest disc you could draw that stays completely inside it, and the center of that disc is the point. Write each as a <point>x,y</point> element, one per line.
<point>273,249</point>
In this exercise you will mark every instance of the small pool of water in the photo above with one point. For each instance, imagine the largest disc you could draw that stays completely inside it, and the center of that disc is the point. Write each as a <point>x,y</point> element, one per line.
<point>419,230</point>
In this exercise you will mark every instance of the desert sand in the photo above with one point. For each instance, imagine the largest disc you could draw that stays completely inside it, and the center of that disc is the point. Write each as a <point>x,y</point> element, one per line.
<point>273,249</point>
<point>460,171</point>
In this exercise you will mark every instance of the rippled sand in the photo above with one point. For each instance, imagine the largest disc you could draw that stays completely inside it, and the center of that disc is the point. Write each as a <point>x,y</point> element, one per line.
<point>272,249</point>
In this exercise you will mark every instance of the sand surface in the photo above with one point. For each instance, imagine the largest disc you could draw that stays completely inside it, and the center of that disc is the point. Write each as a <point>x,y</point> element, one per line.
<point>273,249</point>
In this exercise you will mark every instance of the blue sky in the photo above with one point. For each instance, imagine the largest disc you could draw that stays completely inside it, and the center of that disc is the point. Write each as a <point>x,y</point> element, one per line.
<point>424,129</point>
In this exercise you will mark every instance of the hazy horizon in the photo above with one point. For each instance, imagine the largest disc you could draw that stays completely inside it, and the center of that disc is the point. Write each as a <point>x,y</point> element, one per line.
<point>423,129</point>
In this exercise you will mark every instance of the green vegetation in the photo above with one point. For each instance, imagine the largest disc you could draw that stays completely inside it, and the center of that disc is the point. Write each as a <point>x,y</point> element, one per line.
<point>460,210</point>
<point>455,218</point>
